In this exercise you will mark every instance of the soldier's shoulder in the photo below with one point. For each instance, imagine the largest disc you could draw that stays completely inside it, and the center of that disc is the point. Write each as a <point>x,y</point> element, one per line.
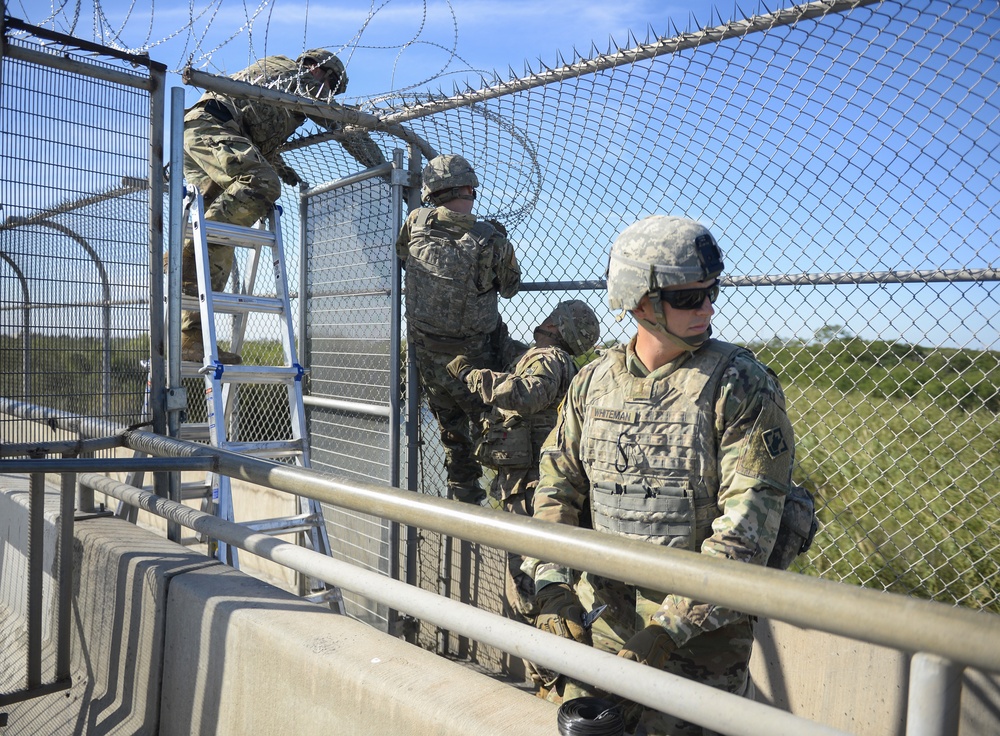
<point>602,371</point>
<point>551,358</point>
<point>749,373</point>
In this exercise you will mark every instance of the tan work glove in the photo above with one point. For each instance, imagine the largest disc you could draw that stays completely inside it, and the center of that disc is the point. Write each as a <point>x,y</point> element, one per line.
<point>561,613</point>
<point>459,368</point>
<point>652,646</point>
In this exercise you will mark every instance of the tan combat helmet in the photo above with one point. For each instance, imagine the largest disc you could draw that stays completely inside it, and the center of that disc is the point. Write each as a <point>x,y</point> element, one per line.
<point>577,324</point>
<point>654,253</point>
<point>336,74</point>
<point>443,175</point>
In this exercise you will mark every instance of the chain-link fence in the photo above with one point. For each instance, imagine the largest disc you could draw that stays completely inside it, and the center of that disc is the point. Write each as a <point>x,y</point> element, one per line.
<point>844,154</point>
<point>75,234</point>
<point>847,161</point>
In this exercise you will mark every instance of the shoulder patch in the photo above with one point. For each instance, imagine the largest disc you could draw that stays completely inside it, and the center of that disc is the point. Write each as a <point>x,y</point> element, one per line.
<point>774,441</point>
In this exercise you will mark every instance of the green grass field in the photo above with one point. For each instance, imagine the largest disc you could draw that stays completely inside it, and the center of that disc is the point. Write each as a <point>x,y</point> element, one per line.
<point>900,444</point>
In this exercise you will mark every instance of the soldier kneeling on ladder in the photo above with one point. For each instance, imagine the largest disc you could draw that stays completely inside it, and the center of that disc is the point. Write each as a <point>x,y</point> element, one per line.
<point>231,155</point>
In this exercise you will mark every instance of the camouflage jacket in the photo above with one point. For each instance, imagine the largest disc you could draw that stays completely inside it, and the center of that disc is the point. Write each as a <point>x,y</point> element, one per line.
<point>431,244</point>
<point>748,462</point>
<point>525,403</point>
<point>269,126</point>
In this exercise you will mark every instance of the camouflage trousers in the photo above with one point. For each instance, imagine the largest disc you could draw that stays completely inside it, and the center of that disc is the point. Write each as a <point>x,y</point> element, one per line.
<point>514,488</point>
<point>459,412</point>
<point>238,185</point>
<point>719,658</point>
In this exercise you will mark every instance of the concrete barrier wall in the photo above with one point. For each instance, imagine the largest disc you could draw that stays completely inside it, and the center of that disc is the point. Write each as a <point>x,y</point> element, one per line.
<point>857,687</point>
<point>168,641</point>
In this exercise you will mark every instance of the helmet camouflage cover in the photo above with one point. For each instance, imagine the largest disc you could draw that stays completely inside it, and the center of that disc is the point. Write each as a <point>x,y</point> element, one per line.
<point>577,325</point>
<point>446,172</point>
<point>336,73</point>
<point>657,252</point>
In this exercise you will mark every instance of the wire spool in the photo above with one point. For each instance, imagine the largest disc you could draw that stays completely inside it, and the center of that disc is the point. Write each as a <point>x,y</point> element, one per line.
<point>590,717</point>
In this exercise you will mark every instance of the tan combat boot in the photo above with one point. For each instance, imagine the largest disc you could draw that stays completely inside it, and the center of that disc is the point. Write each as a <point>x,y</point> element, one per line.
<point>193,351</point>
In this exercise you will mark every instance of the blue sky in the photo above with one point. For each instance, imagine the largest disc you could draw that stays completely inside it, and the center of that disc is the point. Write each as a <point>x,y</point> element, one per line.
<point>861,132</point>
<point>388,45</point>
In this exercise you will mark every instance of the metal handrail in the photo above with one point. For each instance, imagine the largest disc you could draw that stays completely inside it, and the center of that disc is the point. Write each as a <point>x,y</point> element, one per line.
<point>657,689</point>
<point>908,624</point>
<point>942,639</point>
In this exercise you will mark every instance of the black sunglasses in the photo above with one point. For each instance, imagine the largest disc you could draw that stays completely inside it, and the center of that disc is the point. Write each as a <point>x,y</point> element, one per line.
<point>690,298</point>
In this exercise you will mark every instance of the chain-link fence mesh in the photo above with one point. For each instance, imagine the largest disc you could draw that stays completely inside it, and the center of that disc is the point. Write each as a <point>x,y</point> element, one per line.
<point>74,238</point>
<point>847,161</point>
<point>847,164</point>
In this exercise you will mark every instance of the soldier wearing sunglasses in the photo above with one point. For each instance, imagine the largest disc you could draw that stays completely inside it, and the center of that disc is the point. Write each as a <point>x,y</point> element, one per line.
<point>676,439</point>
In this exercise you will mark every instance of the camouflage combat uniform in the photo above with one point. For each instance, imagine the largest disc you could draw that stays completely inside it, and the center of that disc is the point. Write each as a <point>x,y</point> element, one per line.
<point>695,455</point>
<point>525,404</point>
<point>456,266</point>
<point>231,155</point>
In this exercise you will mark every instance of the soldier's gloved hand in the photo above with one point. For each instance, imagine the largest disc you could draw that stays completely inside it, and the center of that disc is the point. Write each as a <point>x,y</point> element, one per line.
<point>561,613</point>
<point>652,646</point>
<point>290,177</point>
<point>459,368</point>
<point>499,227</point>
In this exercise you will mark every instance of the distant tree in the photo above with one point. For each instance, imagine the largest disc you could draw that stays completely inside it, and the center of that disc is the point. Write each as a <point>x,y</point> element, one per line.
<point>829,333</point>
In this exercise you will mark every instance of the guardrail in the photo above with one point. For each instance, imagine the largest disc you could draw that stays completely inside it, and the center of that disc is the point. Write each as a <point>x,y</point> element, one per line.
<point>942,640</point>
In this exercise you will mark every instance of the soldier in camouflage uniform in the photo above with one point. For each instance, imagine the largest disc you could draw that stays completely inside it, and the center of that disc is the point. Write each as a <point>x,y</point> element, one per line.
<point>525,401</point>
<point>676,439</point>
<point>231,154</point>
<point>456,267</point>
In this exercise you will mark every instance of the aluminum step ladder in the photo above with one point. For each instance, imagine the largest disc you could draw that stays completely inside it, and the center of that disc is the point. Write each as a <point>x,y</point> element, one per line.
<point>224,384</point>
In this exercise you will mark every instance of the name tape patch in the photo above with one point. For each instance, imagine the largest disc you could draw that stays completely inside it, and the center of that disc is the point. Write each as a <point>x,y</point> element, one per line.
<point>614,415</point>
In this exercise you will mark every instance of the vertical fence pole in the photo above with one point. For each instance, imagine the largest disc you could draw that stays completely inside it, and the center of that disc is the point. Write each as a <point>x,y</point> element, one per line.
<point>36,553</point>
<point>934,701</point>
<point>395,335</point>
<point>65,547</point>
<point>412,398</point>
<point>175,234</point>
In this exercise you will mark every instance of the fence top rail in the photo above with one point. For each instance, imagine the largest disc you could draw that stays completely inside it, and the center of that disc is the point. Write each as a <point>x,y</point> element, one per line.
<point>911,625</point>
<point>328,111</point>
<point>621,57</point>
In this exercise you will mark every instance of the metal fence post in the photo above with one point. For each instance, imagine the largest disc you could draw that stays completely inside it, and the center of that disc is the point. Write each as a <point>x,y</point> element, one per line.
<point>934,699</point>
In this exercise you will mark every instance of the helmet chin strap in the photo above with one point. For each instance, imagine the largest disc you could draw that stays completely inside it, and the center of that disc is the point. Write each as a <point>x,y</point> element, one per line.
<point>689,344</point>
<point>446,195</point>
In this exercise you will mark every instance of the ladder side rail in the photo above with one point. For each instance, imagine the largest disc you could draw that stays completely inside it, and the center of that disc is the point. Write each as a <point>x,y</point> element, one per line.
<point>212,369</point>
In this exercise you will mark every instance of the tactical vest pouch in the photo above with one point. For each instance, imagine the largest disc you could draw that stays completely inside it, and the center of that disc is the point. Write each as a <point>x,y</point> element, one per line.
<point>506,444</point>
<point>641,512</point>
<point>797,530</point>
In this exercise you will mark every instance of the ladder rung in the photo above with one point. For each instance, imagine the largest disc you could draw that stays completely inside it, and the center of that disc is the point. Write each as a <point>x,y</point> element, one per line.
<point>284,524</point>
<point>194,431</point>
<point>189,490</point>
<point>257,373</point>
<point>193,304</point>
<point>195,490</point>
<point>222,233</point>
<point>325,595</point>
<point>244,303</point>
